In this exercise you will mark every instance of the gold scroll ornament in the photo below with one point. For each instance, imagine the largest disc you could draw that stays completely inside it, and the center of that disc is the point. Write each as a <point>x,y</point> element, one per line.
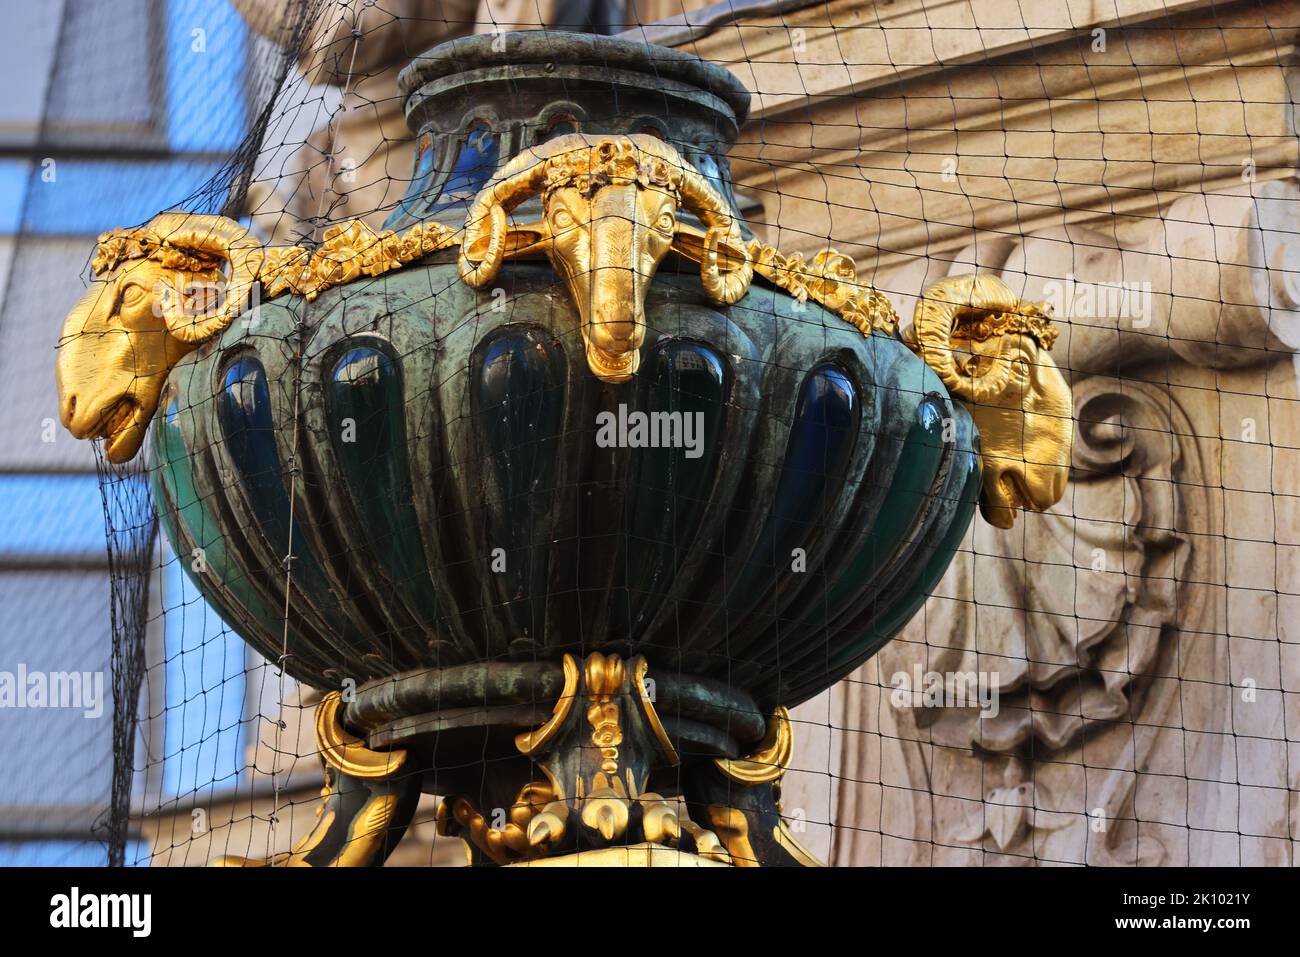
<point>767,764</point>
<point>359,841</point>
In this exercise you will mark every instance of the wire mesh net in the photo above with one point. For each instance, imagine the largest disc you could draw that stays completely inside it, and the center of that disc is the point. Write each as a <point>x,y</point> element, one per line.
<point>1109,680</point>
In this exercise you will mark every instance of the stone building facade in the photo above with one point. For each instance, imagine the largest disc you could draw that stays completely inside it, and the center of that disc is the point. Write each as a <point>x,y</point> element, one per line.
<point>1138,170</point>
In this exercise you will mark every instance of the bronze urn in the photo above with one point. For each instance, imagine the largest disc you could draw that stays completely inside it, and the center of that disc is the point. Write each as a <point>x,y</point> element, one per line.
<point>564,487</point>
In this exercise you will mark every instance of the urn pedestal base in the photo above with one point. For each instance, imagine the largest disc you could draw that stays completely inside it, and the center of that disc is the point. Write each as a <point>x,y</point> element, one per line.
<point>591,763</point>
<point>543,761</point>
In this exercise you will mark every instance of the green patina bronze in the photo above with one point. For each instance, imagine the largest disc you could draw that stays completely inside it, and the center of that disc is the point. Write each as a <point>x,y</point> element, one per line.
<point>404,487</point>
<point>428,452</point>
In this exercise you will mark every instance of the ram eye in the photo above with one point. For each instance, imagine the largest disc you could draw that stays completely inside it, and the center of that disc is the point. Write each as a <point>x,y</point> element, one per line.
<point>666,222</point>
<point>133,295</point>
<point>562,219</point>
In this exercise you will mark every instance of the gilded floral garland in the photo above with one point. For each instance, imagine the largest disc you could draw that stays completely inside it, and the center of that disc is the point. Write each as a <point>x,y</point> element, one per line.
<point>352,249</point>
<point>347,252</point>
<point>830,280</point>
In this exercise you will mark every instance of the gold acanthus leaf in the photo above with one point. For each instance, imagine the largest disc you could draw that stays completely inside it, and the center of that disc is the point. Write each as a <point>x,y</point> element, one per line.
<point>347,252</point>
<point>830,280</point>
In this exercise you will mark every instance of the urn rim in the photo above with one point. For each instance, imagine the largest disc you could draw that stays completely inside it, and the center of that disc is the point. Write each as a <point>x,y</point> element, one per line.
<point>543,47</point>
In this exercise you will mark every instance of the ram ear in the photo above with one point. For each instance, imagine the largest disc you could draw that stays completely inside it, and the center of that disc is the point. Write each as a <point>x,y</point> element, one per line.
<point>689,242</point>
<point>521,239</point>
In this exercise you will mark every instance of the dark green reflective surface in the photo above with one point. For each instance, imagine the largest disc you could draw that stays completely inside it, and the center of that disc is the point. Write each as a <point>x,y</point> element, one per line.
<point>455,502</point>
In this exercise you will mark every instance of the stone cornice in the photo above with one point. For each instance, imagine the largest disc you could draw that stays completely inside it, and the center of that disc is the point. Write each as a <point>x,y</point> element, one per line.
<point>852,47</point>
<point>859,139</point>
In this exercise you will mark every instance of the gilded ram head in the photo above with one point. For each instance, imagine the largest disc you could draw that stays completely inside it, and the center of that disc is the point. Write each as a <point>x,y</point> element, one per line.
<point>990,348</point>
<point>158,292</point>
<point>610,214</point>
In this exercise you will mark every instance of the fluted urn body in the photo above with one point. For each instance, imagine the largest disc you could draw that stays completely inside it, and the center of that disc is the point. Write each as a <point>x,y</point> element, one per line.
<point>764,503</point>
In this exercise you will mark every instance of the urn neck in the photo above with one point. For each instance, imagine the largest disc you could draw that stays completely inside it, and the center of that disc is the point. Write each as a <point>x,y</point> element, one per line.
<point>475,102</point>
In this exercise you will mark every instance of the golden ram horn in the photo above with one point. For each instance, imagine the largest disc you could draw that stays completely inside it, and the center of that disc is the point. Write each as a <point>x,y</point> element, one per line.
<point>704,201</point>
<point>936,313</point>
<point>219,237</point>
<point>486,242</point>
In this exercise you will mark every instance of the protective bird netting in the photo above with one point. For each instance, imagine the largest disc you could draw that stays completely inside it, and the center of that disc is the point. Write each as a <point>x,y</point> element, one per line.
<point>1110,678</point>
